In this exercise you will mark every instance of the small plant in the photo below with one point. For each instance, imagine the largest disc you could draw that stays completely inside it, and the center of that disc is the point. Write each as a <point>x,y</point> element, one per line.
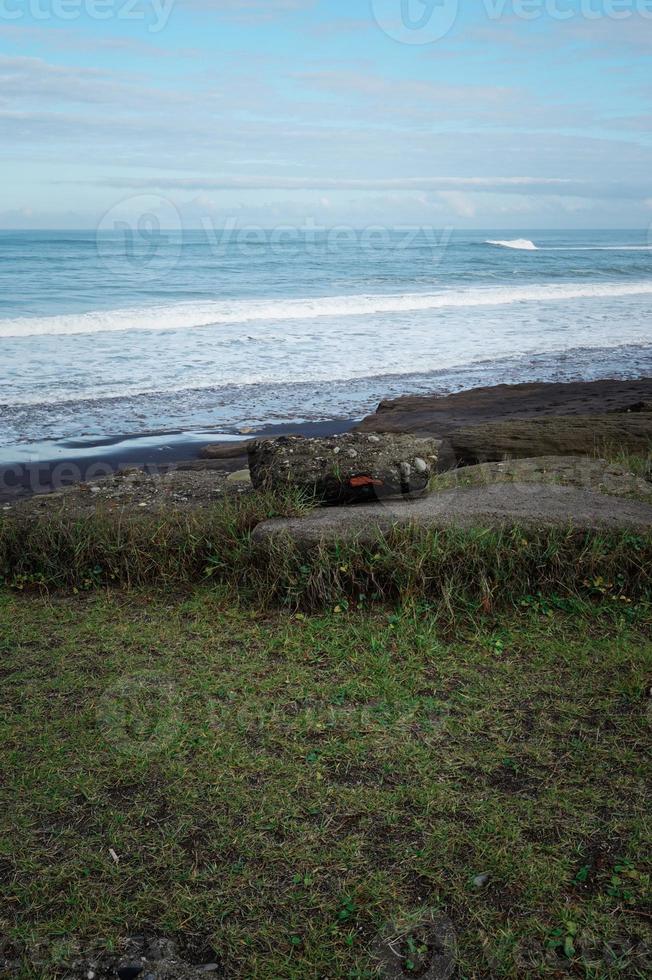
<point>562,939</point>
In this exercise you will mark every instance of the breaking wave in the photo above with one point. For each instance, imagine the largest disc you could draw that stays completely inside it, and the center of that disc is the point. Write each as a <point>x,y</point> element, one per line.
<point>184,316</point>
<point>524,244</point>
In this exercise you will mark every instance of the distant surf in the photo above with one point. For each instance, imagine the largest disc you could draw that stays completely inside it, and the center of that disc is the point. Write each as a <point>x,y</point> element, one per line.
<point>524,244</point>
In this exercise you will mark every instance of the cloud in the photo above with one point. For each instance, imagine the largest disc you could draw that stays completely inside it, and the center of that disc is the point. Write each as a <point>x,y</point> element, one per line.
<point>24,79</point>
<point>417,102</point>
<point>450,189</point>
<point>63,39</point>
<point>461,204</point>
<point>250,11</point>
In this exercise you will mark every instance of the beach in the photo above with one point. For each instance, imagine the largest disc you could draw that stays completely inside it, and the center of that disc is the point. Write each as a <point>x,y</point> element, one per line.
<point>124,363</point>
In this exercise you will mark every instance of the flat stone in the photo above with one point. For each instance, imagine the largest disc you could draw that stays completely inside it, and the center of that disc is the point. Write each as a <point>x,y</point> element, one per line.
<point>443,415</point>
<point>571,471</point>
<point>574,435</point>
<point>240,476</point>
<point>499,505</point>
<point>226,450</point>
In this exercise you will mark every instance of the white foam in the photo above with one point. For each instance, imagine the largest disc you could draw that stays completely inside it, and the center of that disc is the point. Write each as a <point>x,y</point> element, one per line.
<point>595,248</point>
<point>523,244</point>
<point>184,316</point>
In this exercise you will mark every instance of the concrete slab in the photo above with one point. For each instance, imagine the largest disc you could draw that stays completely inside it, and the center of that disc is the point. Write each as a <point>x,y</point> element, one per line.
<point>499,505</point>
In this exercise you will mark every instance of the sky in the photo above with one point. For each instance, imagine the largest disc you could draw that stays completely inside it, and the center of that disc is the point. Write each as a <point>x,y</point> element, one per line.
<point>515,114</point>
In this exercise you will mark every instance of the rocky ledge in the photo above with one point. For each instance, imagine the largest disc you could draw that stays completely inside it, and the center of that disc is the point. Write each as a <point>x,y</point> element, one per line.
<point>460,419</point>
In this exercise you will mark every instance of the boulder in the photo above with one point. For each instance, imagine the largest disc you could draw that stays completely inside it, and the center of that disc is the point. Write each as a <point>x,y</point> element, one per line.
<point>348,468</point>
<point>226,450</point>
<point>567,435</point>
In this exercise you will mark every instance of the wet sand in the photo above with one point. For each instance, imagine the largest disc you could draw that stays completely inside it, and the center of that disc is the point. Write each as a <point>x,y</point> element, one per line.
<point>150,451</point>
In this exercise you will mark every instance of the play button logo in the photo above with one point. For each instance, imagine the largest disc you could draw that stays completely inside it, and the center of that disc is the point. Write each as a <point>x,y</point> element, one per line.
<point>415,21</point>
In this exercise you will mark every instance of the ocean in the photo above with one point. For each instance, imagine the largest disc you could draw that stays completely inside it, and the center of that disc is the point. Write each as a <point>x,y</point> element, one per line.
<point>122,336</point>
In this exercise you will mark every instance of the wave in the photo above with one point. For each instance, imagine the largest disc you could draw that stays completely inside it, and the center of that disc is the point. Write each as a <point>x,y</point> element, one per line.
<point>595,248</point>
<point>183,316</point>
<point>523,244</point>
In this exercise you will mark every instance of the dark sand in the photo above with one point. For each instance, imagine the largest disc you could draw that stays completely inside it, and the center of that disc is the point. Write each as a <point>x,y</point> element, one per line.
<point>164,451</point>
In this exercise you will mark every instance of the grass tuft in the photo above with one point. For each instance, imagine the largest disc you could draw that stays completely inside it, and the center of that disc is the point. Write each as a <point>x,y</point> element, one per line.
<point>461,570</point>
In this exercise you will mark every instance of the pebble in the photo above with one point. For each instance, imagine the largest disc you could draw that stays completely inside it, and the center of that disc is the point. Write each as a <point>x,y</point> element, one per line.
<point>352,453</point>
<point>210,968</point>
<point>405,469</point>
<point>420,465</point>
<point>374,438</point>
<point>481,880</point>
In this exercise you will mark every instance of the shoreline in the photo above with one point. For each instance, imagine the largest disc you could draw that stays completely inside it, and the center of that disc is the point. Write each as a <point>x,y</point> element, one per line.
<point>155,452</point>
<point>435,414</point>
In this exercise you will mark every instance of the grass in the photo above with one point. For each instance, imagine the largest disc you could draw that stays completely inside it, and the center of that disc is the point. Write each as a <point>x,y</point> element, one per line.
<point>281,759</point>
<point>287,787</point>
<point>461,570</point>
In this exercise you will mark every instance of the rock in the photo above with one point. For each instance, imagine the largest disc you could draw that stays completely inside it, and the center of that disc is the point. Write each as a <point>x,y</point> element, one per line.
<point>347,468</point>
<point>226,450</point>
<point>494,506</point>
<point>442,415</point>
<point>636,407</point>
<point>240,476</point>
<point>586,435</point>
<point>481,880</point>
<point>570,471</point>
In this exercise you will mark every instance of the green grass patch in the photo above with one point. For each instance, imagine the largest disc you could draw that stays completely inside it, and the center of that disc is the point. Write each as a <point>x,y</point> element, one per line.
<point>462,571</point>
<point>281,787</point>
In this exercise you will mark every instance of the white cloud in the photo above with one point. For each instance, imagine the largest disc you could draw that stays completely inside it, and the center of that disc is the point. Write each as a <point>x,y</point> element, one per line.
<point>461,204</point>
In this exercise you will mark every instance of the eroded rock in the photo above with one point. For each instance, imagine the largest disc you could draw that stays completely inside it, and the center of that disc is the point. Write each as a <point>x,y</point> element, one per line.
<point>579,435</point>
<point>348,468</point>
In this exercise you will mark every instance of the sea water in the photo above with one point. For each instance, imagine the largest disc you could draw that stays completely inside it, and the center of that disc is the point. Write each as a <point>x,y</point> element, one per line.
<point>105,336</point>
